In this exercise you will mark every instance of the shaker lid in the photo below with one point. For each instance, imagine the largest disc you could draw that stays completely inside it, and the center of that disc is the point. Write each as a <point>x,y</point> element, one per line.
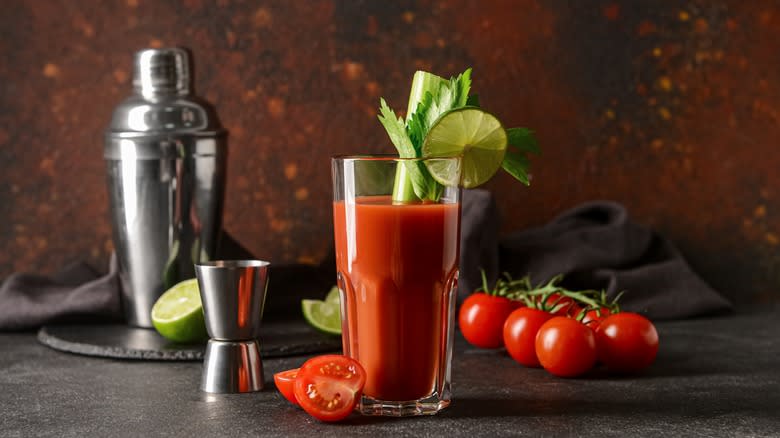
<point>162,71</point>
<point>164,101</point>
<point>163,108</point>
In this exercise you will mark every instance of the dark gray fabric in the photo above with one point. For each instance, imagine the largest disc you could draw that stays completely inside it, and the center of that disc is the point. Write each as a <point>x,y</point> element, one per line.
<point>76,293</point>
<point>478,239</point>
<point>597,246</point>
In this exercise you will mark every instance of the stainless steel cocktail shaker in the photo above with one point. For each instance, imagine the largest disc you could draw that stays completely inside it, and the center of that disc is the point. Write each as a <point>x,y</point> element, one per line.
<point>165,153</point>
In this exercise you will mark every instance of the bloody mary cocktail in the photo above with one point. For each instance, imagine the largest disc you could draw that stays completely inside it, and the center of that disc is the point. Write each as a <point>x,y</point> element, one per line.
<point>397,272</point>
<point>397,232</point>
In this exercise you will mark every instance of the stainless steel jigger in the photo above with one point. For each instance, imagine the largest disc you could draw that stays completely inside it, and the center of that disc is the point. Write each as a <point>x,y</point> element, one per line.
<point>233,293</point>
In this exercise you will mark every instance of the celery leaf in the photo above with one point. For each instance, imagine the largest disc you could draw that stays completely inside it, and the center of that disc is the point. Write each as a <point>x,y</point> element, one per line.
<point>523,139</point>
<point>396,131</point>
<point>416,124</point>
<point>462,85</point>
<point>521,142</point>
<point>516,164</point>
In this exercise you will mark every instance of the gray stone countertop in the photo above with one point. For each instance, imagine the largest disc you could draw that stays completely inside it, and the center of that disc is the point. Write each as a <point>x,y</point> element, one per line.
<point>712,377</point>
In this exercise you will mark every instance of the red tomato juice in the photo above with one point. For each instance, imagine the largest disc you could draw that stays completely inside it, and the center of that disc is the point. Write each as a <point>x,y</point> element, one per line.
<point>397,266</point>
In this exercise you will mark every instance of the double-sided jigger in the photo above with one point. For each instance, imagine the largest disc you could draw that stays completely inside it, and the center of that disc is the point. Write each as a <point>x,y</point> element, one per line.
<point>233,293</point>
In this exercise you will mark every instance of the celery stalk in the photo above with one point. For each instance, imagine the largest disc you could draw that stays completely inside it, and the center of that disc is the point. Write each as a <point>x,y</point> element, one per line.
<point>403,191</point>
<point>422,83</point>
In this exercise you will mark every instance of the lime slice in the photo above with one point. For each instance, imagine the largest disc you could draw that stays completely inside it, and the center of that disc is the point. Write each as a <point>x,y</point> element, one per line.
<point>178,313</point>
<point>333,296</point>
<point>323,315</point>
<point>472,134</point>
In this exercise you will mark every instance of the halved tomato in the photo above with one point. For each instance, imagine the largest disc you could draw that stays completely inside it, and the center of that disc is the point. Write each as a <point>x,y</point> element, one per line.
<point>328,387</point>
<point>285,383</point>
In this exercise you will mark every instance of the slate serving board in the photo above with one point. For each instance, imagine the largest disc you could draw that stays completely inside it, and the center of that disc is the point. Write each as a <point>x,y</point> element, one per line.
<point>119,341</point>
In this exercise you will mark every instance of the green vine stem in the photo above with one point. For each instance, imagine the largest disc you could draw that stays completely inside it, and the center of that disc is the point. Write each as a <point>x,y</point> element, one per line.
<point>538,297</point>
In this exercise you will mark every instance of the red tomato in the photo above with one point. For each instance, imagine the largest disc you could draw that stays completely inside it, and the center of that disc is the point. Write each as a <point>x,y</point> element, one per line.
<point>328,387</point>
<point>481,319</point>
<point>520,334</point>
<point>573,310</point>
<point>566,306</point>
<point>566,347</point>
<point>594,317</point>
<point>627,342</point>
<point>285,383</point>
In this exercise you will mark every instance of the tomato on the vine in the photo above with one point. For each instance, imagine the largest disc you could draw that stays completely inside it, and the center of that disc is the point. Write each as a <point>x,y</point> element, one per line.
<point>285,383</point>
<point>566,306</point>
<point>520,331</point>
<point>565,347</point>
<point>627,342</point>
<point>481,319</point>
<point>594,317</point>
<point>328,387</point>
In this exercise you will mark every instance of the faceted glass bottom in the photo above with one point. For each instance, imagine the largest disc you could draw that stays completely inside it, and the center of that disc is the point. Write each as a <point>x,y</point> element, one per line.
<point>425,406</point>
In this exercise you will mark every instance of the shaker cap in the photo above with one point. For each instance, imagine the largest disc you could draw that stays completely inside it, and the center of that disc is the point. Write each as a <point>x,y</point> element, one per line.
<point>163,110</point>
<point>162,71</point>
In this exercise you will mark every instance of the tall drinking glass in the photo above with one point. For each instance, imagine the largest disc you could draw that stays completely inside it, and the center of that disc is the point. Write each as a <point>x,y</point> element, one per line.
<point>397,266</point>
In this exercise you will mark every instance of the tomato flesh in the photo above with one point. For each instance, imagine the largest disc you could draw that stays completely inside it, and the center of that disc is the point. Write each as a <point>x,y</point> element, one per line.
<point>328,387</point>
<point>519,334</point>
<point>627,342</point>
<point>481,319</point>
<point>566,347</point>
<point>285,383</point>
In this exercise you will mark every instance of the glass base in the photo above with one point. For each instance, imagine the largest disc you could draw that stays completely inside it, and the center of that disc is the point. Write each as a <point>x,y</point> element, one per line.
<point>425,406</point>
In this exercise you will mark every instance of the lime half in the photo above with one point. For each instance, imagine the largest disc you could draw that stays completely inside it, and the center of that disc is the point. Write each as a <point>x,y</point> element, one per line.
<point>324,315</point>
<point>178,313</point>
<point>472,134</point>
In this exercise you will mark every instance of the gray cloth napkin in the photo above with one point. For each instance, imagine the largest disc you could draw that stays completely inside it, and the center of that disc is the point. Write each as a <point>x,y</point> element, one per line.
<point>479,227</point>
<point>76,293</point>
<point>597,246</point>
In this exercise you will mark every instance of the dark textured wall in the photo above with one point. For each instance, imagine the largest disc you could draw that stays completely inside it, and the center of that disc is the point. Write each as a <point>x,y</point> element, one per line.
<point>670,107</point>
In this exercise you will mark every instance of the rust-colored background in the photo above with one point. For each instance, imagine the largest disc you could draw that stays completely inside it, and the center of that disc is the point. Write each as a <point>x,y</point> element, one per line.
<point>670,107</point>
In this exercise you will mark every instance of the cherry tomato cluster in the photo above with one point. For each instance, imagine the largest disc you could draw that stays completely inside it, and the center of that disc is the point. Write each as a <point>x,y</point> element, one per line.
<point>565,332</point>
<point>326,387</point>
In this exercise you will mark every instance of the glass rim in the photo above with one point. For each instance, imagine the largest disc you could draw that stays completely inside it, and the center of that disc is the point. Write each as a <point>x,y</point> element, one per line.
<point>232,264</point>
<point>385,157</point>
